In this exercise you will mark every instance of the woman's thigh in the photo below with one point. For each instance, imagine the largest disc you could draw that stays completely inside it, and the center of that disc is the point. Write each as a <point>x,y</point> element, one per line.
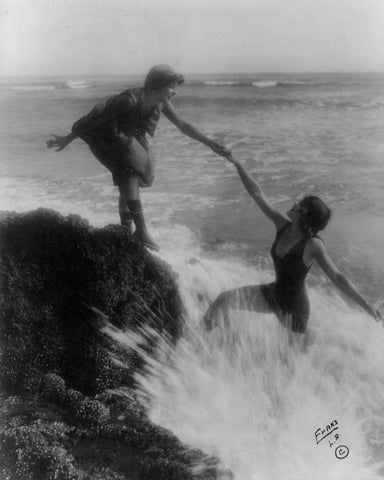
<point>248,298</point>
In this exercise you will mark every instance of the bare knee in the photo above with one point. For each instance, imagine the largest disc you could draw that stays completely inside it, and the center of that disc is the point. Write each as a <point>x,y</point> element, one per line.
<point>130,189</point>
<point>222,300</point>
<point>214,312</point>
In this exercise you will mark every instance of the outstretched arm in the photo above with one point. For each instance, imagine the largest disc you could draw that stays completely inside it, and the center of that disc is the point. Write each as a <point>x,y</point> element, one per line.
<point>99,115</point>
<point>254,189</point>
<point>320,254</point>
<point>192,131</point>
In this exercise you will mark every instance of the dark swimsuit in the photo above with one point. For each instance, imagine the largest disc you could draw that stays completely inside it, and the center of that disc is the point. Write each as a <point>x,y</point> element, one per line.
<point>287,295</point>
<point>115,131</point>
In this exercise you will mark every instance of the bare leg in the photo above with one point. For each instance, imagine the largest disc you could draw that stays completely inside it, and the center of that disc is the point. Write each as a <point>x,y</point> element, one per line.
<point>248,298</point>
<point>130,192</point>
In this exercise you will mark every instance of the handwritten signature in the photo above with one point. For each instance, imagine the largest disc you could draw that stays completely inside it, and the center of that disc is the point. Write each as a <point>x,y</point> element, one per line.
<point>332,434</point>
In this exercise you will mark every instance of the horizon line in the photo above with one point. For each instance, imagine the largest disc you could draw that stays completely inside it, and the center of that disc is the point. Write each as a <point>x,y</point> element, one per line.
<point>301,72</point>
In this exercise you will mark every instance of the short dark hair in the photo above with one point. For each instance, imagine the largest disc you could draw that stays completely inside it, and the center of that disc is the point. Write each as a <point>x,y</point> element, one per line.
<point>317,216</point>
<point>160,76</point>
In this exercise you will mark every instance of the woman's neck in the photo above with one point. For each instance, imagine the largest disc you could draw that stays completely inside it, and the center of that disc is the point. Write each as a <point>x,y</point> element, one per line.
<point>296,230</point>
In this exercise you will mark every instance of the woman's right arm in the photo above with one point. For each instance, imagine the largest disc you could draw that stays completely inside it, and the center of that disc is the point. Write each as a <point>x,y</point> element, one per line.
<point>255,191</point>
<point>191,131</point>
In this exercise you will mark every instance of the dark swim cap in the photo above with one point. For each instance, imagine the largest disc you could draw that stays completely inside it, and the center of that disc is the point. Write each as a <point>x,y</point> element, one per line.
<point>160,76</point>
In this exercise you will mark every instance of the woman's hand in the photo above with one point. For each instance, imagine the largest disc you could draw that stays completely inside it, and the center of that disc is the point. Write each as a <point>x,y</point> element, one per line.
<point>60,142</point>
<point>220,150</point>
<point>232,159</point>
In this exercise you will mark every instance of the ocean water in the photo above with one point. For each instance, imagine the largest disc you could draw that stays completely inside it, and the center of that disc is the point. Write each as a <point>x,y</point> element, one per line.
<point>244,393</point>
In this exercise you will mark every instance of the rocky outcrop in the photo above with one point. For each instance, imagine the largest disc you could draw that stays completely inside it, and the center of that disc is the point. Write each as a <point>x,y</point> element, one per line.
<point>60,279</point>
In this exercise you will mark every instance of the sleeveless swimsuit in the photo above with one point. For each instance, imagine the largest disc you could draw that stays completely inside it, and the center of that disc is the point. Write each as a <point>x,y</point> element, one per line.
<point>287,295</point>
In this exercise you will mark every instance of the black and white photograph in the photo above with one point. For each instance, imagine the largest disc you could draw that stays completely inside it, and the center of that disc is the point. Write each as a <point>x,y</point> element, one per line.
<point>191,240</point>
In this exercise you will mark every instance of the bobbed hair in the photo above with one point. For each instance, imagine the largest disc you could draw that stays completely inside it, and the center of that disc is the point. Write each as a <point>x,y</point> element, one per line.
<point>160,76</point>
<point>317,216</point>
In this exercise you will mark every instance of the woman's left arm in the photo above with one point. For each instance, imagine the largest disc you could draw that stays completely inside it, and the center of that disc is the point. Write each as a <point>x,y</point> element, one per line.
<point>192,131</point>
<point>320,254</point>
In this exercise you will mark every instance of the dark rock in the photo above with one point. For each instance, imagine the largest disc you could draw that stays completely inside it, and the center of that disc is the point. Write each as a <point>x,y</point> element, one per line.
<point>56,272</point>
<point>76,415</point>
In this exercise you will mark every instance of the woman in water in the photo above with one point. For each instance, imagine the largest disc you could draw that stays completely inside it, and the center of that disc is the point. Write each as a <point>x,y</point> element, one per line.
<point>115,132</point>
<point>294,250</point>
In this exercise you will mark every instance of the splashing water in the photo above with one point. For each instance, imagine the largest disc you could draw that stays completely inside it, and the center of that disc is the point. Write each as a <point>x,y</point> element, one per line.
<point>267,407</point>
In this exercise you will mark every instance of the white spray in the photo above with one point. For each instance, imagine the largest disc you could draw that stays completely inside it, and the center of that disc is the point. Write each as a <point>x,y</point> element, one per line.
<point>267,407</point>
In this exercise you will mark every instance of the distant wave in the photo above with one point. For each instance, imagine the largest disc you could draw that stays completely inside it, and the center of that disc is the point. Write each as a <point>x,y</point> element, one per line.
<point>265,83</point>
<point>220,82</point>
<point>285,83</point>
<point>304,83</point>
<point>35,87</point>
<point>238,83</point>
<point>77,84</point>
<point>257,83</point>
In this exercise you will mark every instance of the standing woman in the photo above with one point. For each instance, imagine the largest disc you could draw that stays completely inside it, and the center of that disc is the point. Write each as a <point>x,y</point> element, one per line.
<point>115,132</point>
<point>295,248</point>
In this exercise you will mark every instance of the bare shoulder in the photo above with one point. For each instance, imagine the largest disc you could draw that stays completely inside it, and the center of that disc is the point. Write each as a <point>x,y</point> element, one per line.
<point>314,250</point>
<point>316,247</point>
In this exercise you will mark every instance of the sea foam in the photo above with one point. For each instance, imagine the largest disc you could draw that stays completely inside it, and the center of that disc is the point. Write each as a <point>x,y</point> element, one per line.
<point>257,398</point>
